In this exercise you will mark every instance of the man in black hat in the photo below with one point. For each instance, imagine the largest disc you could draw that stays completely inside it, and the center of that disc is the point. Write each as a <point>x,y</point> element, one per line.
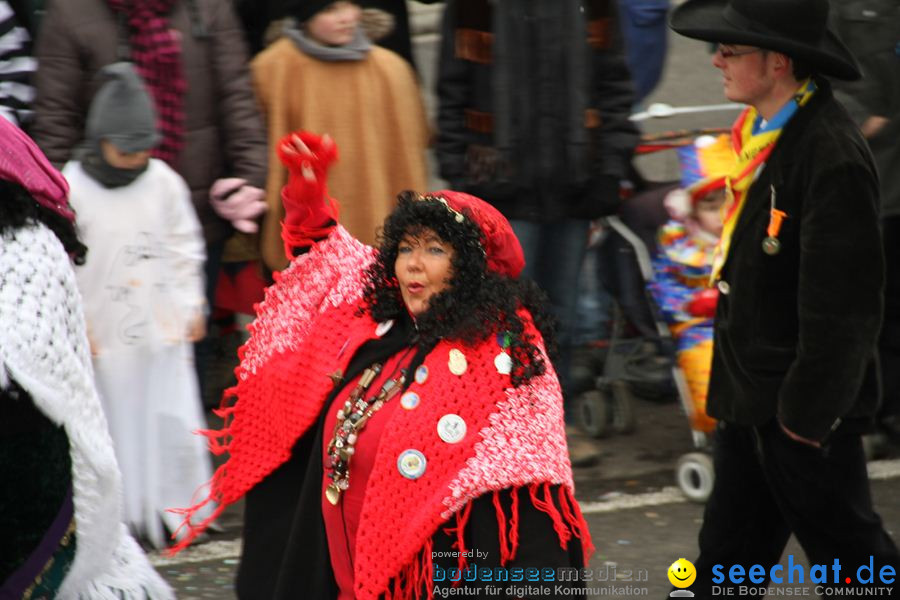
<point>800,277</point>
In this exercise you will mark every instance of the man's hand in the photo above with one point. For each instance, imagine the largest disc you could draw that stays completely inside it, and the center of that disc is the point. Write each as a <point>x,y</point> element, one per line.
<point>236,201</point>
<point>872,125</point>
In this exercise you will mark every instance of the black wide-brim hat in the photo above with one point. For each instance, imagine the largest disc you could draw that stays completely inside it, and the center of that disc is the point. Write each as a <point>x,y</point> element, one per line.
<point>797,28</point>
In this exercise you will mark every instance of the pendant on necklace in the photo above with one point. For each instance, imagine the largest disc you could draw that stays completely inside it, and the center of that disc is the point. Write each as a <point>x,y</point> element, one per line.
<point>333,494</point>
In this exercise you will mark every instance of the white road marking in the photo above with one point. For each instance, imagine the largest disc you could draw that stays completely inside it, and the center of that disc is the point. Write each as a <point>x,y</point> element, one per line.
<point>668,495</point>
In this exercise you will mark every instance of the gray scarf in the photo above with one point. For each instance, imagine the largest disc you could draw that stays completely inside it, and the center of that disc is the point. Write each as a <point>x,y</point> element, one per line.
<point>93,163</point>
<point>518,48</point>
<point>357,49</point>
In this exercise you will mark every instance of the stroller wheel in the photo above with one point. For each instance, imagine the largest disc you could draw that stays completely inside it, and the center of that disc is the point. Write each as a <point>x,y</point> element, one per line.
<point>695,476</point>
<point>592,410</point>
<point>620,412</point>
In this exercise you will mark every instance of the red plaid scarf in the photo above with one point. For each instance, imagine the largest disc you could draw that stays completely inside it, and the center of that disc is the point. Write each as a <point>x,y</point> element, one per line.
<point>156,50</point>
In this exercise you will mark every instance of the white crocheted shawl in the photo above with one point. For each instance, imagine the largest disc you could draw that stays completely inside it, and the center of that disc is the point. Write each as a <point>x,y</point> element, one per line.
<point>43,346</point>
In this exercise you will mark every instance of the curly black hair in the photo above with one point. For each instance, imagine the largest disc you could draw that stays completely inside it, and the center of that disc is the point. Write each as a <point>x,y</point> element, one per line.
<point>18,209</point>
<point>477,304</point>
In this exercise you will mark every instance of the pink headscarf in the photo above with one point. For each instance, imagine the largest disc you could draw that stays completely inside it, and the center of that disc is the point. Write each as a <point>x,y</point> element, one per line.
<point>22,162</point>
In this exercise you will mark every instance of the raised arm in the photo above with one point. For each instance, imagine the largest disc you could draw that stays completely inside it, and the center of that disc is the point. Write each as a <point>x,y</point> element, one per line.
<point>310,213</point>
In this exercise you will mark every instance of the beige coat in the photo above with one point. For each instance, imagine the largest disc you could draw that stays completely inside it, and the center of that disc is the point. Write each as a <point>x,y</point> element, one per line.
<point>372,108</point>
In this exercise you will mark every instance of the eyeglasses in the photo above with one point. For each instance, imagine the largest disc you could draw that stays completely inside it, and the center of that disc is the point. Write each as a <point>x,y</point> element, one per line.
<point>727,52</point>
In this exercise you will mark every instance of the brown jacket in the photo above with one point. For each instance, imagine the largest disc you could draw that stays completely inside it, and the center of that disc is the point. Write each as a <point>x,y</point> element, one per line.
<point>224,135</point>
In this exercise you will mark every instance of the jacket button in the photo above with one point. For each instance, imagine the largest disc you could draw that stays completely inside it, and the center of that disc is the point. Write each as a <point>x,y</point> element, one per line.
<point>723,286</point>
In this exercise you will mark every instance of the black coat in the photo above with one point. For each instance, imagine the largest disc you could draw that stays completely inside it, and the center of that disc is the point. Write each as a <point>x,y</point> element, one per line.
<point>285,553</point>
<point>795,333</point>
<point>871,29</point>
<point>466,148</point>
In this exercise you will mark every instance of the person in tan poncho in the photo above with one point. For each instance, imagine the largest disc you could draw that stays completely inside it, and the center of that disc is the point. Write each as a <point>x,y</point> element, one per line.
<point>324,75</point>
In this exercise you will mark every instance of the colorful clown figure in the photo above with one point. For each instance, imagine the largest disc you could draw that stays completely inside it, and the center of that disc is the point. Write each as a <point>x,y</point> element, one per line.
<point>682,266</point>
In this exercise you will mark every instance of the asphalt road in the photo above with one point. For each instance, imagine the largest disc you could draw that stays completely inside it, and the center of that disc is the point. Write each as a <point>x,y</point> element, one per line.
<point>639,520</point>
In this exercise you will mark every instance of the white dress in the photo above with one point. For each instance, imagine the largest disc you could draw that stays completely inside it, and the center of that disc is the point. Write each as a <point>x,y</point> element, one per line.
<point>142,285</point>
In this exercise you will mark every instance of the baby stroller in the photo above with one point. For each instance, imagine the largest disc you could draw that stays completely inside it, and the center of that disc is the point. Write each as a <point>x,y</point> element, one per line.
<point>673,368</point>
<point>633,358</point>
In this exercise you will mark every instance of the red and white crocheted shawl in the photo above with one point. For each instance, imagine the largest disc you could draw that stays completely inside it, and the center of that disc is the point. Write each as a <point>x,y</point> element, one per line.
<point>308,327</point>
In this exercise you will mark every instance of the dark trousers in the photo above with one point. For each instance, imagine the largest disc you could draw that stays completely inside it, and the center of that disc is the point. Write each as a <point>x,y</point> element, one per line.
<point>769,486</point>
<point>203,353</point>
<point>553,254</point>
<point>889,344</point>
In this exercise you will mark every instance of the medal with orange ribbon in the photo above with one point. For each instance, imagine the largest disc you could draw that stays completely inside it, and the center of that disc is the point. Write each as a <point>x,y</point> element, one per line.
<point>771,245</point>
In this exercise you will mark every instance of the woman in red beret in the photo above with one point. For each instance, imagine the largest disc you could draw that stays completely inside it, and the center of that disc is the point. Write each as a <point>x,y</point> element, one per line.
<point>397,416</point>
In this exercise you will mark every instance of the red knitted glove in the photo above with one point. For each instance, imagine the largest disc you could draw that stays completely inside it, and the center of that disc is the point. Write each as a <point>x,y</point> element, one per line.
<point>703,303</point>
<point>309,212</point>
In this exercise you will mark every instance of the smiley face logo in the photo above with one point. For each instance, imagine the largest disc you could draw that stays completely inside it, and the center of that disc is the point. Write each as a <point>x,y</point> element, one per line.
<point>682,573</point>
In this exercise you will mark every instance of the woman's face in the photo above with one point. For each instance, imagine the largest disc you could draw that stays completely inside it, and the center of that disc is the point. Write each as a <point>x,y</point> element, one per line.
<point>424,267</point>
<point>334,25</point>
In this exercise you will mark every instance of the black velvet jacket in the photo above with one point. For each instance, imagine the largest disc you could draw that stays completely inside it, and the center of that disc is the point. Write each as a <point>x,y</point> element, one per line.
<point>795,333</point>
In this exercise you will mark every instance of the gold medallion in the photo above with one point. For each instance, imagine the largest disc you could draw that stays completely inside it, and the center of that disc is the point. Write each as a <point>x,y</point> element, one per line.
<point>457,362</point>
<point>333,494</point>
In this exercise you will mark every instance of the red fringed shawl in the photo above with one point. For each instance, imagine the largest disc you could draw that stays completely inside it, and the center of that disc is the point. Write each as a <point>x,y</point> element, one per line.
<point>309,327</point>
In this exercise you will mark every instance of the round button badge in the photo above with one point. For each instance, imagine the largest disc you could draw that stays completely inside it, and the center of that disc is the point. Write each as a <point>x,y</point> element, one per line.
<point>457,362</point>
<point>451,428</point>
<point>421,374</point>
<point>409,400</point>
<point>503,363</point>
<point>411,464</point>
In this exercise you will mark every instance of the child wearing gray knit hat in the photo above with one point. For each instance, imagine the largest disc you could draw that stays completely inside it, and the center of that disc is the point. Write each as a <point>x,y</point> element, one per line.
<point>121,128</point>
<point>144,301</point>
<point>122,111</point>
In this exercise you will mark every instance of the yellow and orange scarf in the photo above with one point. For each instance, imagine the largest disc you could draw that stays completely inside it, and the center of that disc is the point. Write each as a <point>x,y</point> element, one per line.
<point>753,142</point>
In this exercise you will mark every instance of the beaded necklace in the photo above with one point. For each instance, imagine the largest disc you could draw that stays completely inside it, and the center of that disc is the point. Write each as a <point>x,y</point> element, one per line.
<point>351,419</point>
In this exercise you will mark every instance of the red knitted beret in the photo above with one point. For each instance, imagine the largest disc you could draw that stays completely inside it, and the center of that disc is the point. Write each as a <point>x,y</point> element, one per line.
<point>502,247</point>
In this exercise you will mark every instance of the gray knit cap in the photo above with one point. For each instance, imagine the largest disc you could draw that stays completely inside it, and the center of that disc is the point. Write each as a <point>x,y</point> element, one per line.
<point>122,111</point>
